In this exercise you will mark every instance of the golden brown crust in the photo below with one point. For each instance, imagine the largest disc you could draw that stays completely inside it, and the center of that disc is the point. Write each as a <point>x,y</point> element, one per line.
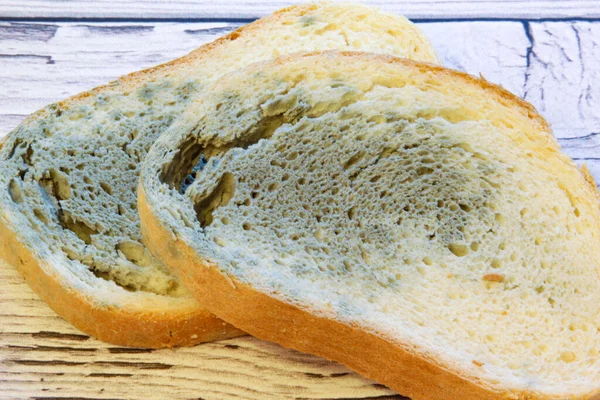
<point>186,327</point>
<point>290,326</point>
<point>268,318</point>
<point>589,178</point>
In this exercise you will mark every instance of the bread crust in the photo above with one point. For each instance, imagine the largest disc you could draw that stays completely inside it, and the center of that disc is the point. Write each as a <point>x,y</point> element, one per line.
<point>290,326</point>
<point>373,355</point>
<point>147,328</point>
<point>151,328</point>
<point>182,326</point>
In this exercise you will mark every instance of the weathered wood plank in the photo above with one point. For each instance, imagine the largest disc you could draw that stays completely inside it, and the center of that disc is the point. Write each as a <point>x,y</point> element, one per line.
<point>495,50</point>
<point>42,63</point>
<point>563,75</point>
<point>42,355</point>
<point>248,9</point>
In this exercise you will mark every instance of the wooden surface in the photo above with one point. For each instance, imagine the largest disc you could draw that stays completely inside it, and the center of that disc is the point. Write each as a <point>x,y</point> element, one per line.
<point>555,64</point>
<point>43,357</point>
<point>185,9</point>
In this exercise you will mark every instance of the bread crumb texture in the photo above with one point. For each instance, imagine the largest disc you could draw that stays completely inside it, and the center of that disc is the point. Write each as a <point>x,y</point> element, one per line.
<point>69,173</point>
<point>418,203</point>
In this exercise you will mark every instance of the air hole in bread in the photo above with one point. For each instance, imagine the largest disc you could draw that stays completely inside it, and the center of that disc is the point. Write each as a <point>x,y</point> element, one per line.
<point>107,188</point>
<point>28,155</point>
<point>189,157</point>
<point>16,145</point>
<point>354,159</point>
<point>79,228</point>
<point>181,172</point>
<point>135,252</point>
<point>39,214</point>
<point>351,213</point>
<point>189,179</point>
<point>220,196</point>
<point>56,184</point>
<point>458,249</point>
<point>107,277</point>
<point>14,189</point>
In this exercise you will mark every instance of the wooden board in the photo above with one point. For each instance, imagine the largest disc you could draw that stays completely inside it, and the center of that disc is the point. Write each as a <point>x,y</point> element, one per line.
<point>43,357</point>
<point>553,64</point>
<point>249,9</point>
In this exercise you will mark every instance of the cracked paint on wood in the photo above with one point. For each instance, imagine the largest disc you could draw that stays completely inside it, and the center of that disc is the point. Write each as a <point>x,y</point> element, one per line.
<point>563,75</point>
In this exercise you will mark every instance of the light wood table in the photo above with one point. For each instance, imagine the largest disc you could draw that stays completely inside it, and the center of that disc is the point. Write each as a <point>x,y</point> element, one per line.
<point>547,52</point>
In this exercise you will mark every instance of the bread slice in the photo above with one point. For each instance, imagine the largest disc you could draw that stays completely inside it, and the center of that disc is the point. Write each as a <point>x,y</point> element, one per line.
<point>68,176</point>
<point>417,224</point>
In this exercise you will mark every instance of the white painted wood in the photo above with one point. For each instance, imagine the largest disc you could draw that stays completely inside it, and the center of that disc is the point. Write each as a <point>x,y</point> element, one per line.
<point>563,79</point>
<point>495,50</point>
<point>422,9</point>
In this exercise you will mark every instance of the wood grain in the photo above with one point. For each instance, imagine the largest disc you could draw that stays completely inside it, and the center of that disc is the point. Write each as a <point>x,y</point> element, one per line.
<point>42,357</point>
<point>250,9</point>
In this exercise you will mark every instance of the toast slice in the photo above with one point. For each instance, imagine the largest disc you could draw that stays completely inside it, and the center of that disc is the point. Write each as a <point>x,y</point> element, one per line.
<point>68,176</point>
<point>417,224</point>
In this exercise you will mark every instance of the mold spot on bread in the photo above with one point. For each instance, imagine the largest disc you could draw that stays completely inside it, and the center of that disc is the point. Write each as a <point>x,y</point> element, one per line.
<point>99,139</point>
